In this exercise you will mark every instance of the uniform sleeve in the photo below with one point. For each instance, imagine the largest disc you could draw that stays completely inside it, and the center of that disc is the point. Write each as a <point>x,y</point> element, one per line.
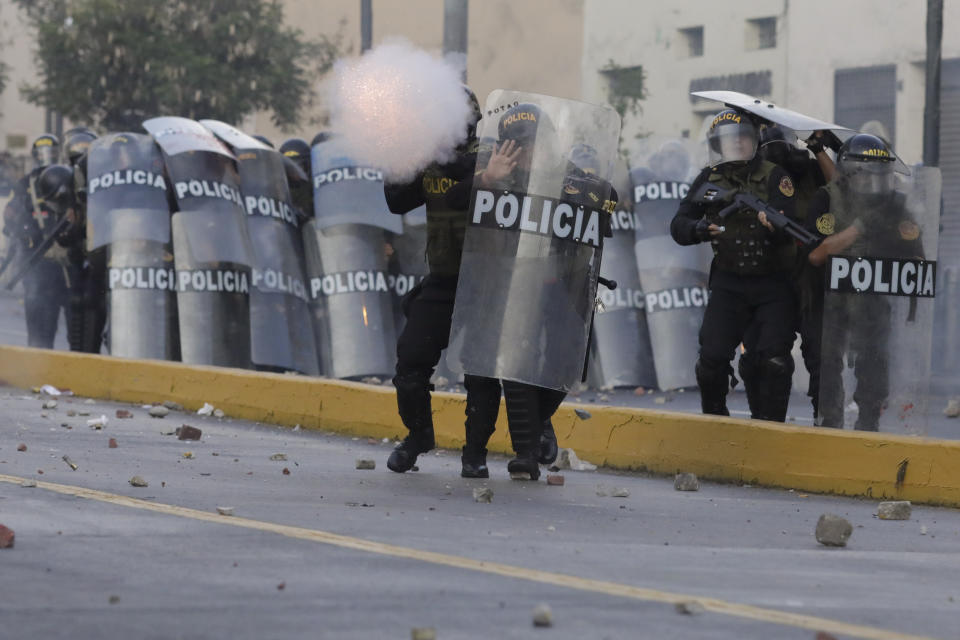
<point>782,193</point>
<point>689,213</point>
<point>402,198</point>
<point>819,205</point>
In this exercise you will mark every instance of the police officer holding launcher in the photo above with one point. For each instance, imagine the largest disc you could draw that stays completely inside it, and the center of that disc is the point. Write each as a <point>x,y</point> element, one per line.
<point>748,282</point>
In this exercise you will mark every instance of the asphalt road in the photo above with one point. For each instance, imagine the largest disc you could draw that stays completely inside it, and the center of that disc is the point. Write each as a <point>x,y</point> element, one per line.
<point>330,551</point>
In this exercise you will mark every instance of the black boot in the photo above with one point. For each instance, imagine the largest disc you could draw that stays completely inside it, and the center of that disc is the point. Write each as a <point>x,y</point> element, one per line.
<point>474,464</point>
<point>525,422</point>
<point>548,444</point>
<point>404,456</point>
<point>413,404</point>
<point>525,464</point>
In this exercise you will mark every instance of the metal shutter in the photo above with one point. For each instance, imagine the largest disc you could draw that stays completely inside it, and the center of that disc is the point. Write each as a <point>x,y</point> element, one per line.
<point>864,94</point>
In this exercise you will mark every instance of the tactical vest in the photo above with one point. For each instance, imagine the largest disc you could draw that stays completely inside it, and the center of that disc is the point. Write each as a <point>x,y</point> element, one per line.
<point>445,226</point>
<point>745,247</point>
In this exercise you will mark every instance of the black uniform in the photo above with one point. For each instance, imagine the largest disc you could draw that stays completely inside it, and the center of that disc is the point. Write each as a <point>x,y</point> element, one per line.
<point>748,285</point>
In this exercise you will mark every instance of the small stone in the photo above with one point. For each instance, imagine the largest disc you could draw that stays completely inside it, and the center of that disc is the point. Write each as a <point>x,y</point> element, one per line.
<point>660,400</point>
<point>371,380</point>
<point>205,410</point>
<point>89,401</point>
<point>520,475</point>
<point>555,480</point>
<point>225,511</point>
<point>83,414</point>
<point>551,528</point>
<point>482,494</point>
<point>70,463</point>
<point>6,537</point>
<point>691,608</point>
<point>952,409</point>
<point>218,413</point>
<point>137,481</point>
<point>50,404</point>
<point>173,406</point>
<point>188,455</point>
<point>423,633</point>
<point>366,463</point>
<point>123,413</point>
<point>285,471</point>
<point>158,411</point>
<point>296,427</point>
<point>602,491</point>
<point>279,457</point>
<point>895,510</point>
<point>28,483</point>
<point>582,414</point>
<point>71,413</point>
<point>542,616</point>
<point>686,482</point>
<point>186,432</point>
<point>923,529</point>
<point>833,531</point>
<point>97,424</point>
<point>620,492</point>
<point>281,586</point>
<point>112,443</point>
<point>603,397</point>
<point>114,599</point>
<point>639,391</point>
<point>21,447</point>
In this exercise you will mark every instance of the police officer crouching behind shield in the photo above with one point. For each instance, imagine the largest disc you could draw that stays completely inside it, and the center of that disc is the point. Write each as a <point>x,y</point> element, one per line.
<point>748,283</point>
<point>428,308</point>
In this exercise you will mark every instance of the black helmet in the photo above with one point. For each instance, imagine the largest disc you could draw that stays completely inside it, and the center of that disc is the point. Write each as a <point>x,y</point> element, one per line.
<point>76,141</point>
<point>297,150</point>
<point>265,140</point>
<point>732,137</point>
<point>54,187</point>
<point>585,158</point>
<point>866,164</point>
<point>522,123</point>
<point>475,113</point>
<point>45,150</point>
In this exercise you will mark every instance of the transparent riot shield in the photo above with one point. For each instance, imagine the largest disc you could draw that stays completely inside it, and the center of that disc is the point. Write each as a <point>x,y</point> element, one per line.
<point>128,216</point>
<point>351,300</point>
<point>408,259</point>
<point>878,307</point>
<point>673,278</point>
<point>620,351</point>
<point>528,277</point>
<point>212,249</point>
<point>345,192</point>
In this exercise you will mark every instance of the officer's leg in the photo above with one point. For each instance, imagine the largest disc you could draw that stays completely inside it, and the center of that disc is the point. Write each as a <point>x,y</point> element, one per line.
<point>95,304</point>
<point>723,325</point>
<point>483,406</point>
<point>42,302</point>
<point>76,316</point>
<point>418,350</point>
<point>775,317</point>
<point>871,368</point>
<point>811,319</point>
<point>525,423</point>
<point>550,402</point>
<point>749,369</point>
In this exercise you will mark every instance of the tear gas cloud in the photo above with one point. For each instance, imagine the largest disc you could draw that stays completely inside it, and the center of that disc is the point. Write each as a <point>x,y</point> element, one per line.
<point>398,108</point>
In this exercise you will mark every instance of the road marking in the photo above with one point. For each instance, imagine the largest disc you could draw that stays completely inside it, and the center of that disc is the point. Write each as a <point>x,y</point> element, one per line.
<point>723,607</point>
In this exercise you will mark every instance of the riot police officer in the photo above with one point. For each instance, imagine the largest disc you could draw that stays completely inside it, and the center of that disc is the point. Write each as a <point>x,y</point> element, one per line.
<point>298,151</point>
<point>860,213</point>
<point>748,283</point>
<point>428,308</point>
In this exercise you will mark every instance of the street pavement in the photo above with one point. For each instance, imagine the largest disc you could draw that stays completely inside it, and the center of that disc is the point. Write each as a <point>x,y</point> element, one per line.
<point>330,551</point>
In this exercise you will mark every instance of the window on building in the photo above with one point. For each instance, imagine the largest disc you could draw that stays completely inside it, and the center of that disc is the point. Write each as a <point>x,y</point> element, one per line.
<point>691,42</point>
<point>761,33</point>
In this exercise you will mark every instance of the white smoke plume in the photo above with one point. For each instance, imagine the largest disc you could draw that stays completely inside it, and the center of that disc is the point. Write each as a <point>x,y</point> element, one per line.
<point>398,108</point>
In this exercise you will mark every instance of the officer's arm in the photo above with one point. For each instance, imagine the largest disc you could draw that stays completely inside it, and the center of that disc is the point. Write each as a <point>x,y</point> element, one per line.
<point>819,220</point>
<point>683,227</point>
<point>782,193</point>
<point>402,198</point>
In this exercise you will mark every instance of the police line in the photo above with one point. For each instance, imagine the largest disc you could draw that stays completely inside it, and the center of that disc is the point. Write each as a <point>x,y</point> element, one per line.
<point>536,214</point>
<point>883,276</point>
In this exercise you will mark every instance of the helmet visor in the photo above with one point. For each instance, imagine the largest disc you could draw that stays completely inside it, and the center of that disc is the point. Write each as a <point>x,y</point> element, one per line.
<point>868,178</point>
<point>45,155</point>
<point>733,142</point>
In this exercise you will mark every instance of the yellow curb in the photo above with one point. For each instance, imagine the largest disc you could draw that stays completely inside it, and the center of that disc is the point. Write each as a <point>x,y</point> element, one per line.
<point>725,449</point>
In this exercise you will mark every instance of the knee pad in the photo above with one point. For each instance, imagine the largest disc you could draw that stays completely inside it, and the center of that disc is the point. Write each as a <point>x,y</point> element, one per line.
<point>711,372</point>
<point>412,383</point>
<point>777,367</point>
<point>748,366</point>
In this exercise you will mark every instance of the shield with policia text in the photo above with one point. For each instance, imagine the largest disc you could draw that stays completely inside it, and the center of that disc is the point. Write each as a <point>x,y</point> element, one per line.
<point>531,257</point>
<point>280,331</point>
<point>212,250</point>
<point>128,216</point>
<point>673,278</point>
<point>620,354</point>
<point>350,286</point>
<point>878,304</point>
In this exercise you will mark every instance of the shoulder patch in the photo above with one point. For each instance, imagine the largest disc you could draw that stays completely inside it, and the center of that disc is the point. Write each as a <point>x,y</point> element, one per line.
<point>786,186</point>
<point>909,230</point>
<point>825,224</point>
<point>569,189</point>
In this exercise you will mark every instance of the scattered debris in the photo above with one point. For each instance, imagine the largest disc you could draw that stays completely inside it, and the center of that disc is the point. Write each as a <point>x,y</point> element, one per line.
<point>660,400</point>
<point>50,390</point>
<point>21,447</point>
<point>169,432</point>
<point>555,480</point>
<point>833,531</point>
<point>123,413</point>
<point>952,409</point>
<point>279,457</point>
<point>6,537</point>
<point>205,410</point>
<point>112,443</point>
<point>551,528</point>
<point>70,463</point>
<point>568,460</point>
<point>542,615</point>
<point>620,492</point>
<point>186,432</point>
<point>281,586</point>
<point>173,406</point>
<point>137,481</point>
<point>582,414</point>
<point>423,633</point>
<point>114,599</point>
<point>89,401</point>
<point>97,423</point>
<point>371,380</point>
<point>639,391</point>
<point>158,411</point>
<point>50,404</point>
<point>366,463</point>
<point>296,427</point>
<point>691,608</point>
<point>895,510</point>
<point>28,483</point>
<point>218,413</point>
<point>71,413</point>
<point>686,482</point>
<point>188,455</point>
<point>482,494</point>
<point>83,414</point>
<point>285,471</point>
<point>225,511</point>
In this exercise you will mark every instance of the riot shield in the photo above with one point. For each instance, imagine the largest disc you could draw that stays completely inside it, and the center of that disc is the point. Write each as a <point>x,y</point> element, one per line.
<point>673,278</point>
<point>280,331</point>
<point>531,255</point>
<point>212,249</point>
<point>620,351</point>
<point>408,260</point>
<point>350,299</point>
<point>878,308</point>
<point>345,192</point>
<point>128,216</point>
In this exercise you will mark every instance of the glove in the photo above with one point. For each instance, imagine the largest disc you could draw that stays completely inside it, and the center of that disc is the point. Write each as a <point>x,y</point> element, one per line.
<point>702,231</point>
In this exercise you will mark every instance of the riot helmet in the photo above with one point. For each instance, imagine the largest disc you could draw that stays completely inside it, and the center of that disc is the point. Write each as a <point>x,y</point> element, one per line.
<point>475,113</point>
<point>529,127</point>
<point>297,150</point>
<point>732,137</point>
<point>865,164</point>
<point>45,150</point>
<point>125,150</point>
<point>585,158</point>
<point>264,139</point>
<point>671,162</point>
<point>54,187</point>
<point>76,141</point>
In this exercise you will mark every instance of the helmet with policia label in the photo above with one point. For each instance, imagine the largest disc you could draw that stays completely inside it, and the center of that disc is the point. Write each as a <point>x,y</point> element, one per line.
<point>76,141</point>
<point>55,188</point>
<point>45,150</point>
<point>732,137</point>
<point>866,164</point>
<point>523,123</point>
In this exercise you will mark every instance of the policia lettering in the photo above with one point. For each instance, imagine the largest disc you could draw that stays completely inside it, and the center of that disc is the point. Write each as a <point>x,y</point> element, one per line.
<point>885,276</point>
<point>681,298</point>
<point>130,176</point>
<point>535,214</point>
<point>347,173</point>
<point>201,280</point>
<point>208,189</point>
<point>360,282</point>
